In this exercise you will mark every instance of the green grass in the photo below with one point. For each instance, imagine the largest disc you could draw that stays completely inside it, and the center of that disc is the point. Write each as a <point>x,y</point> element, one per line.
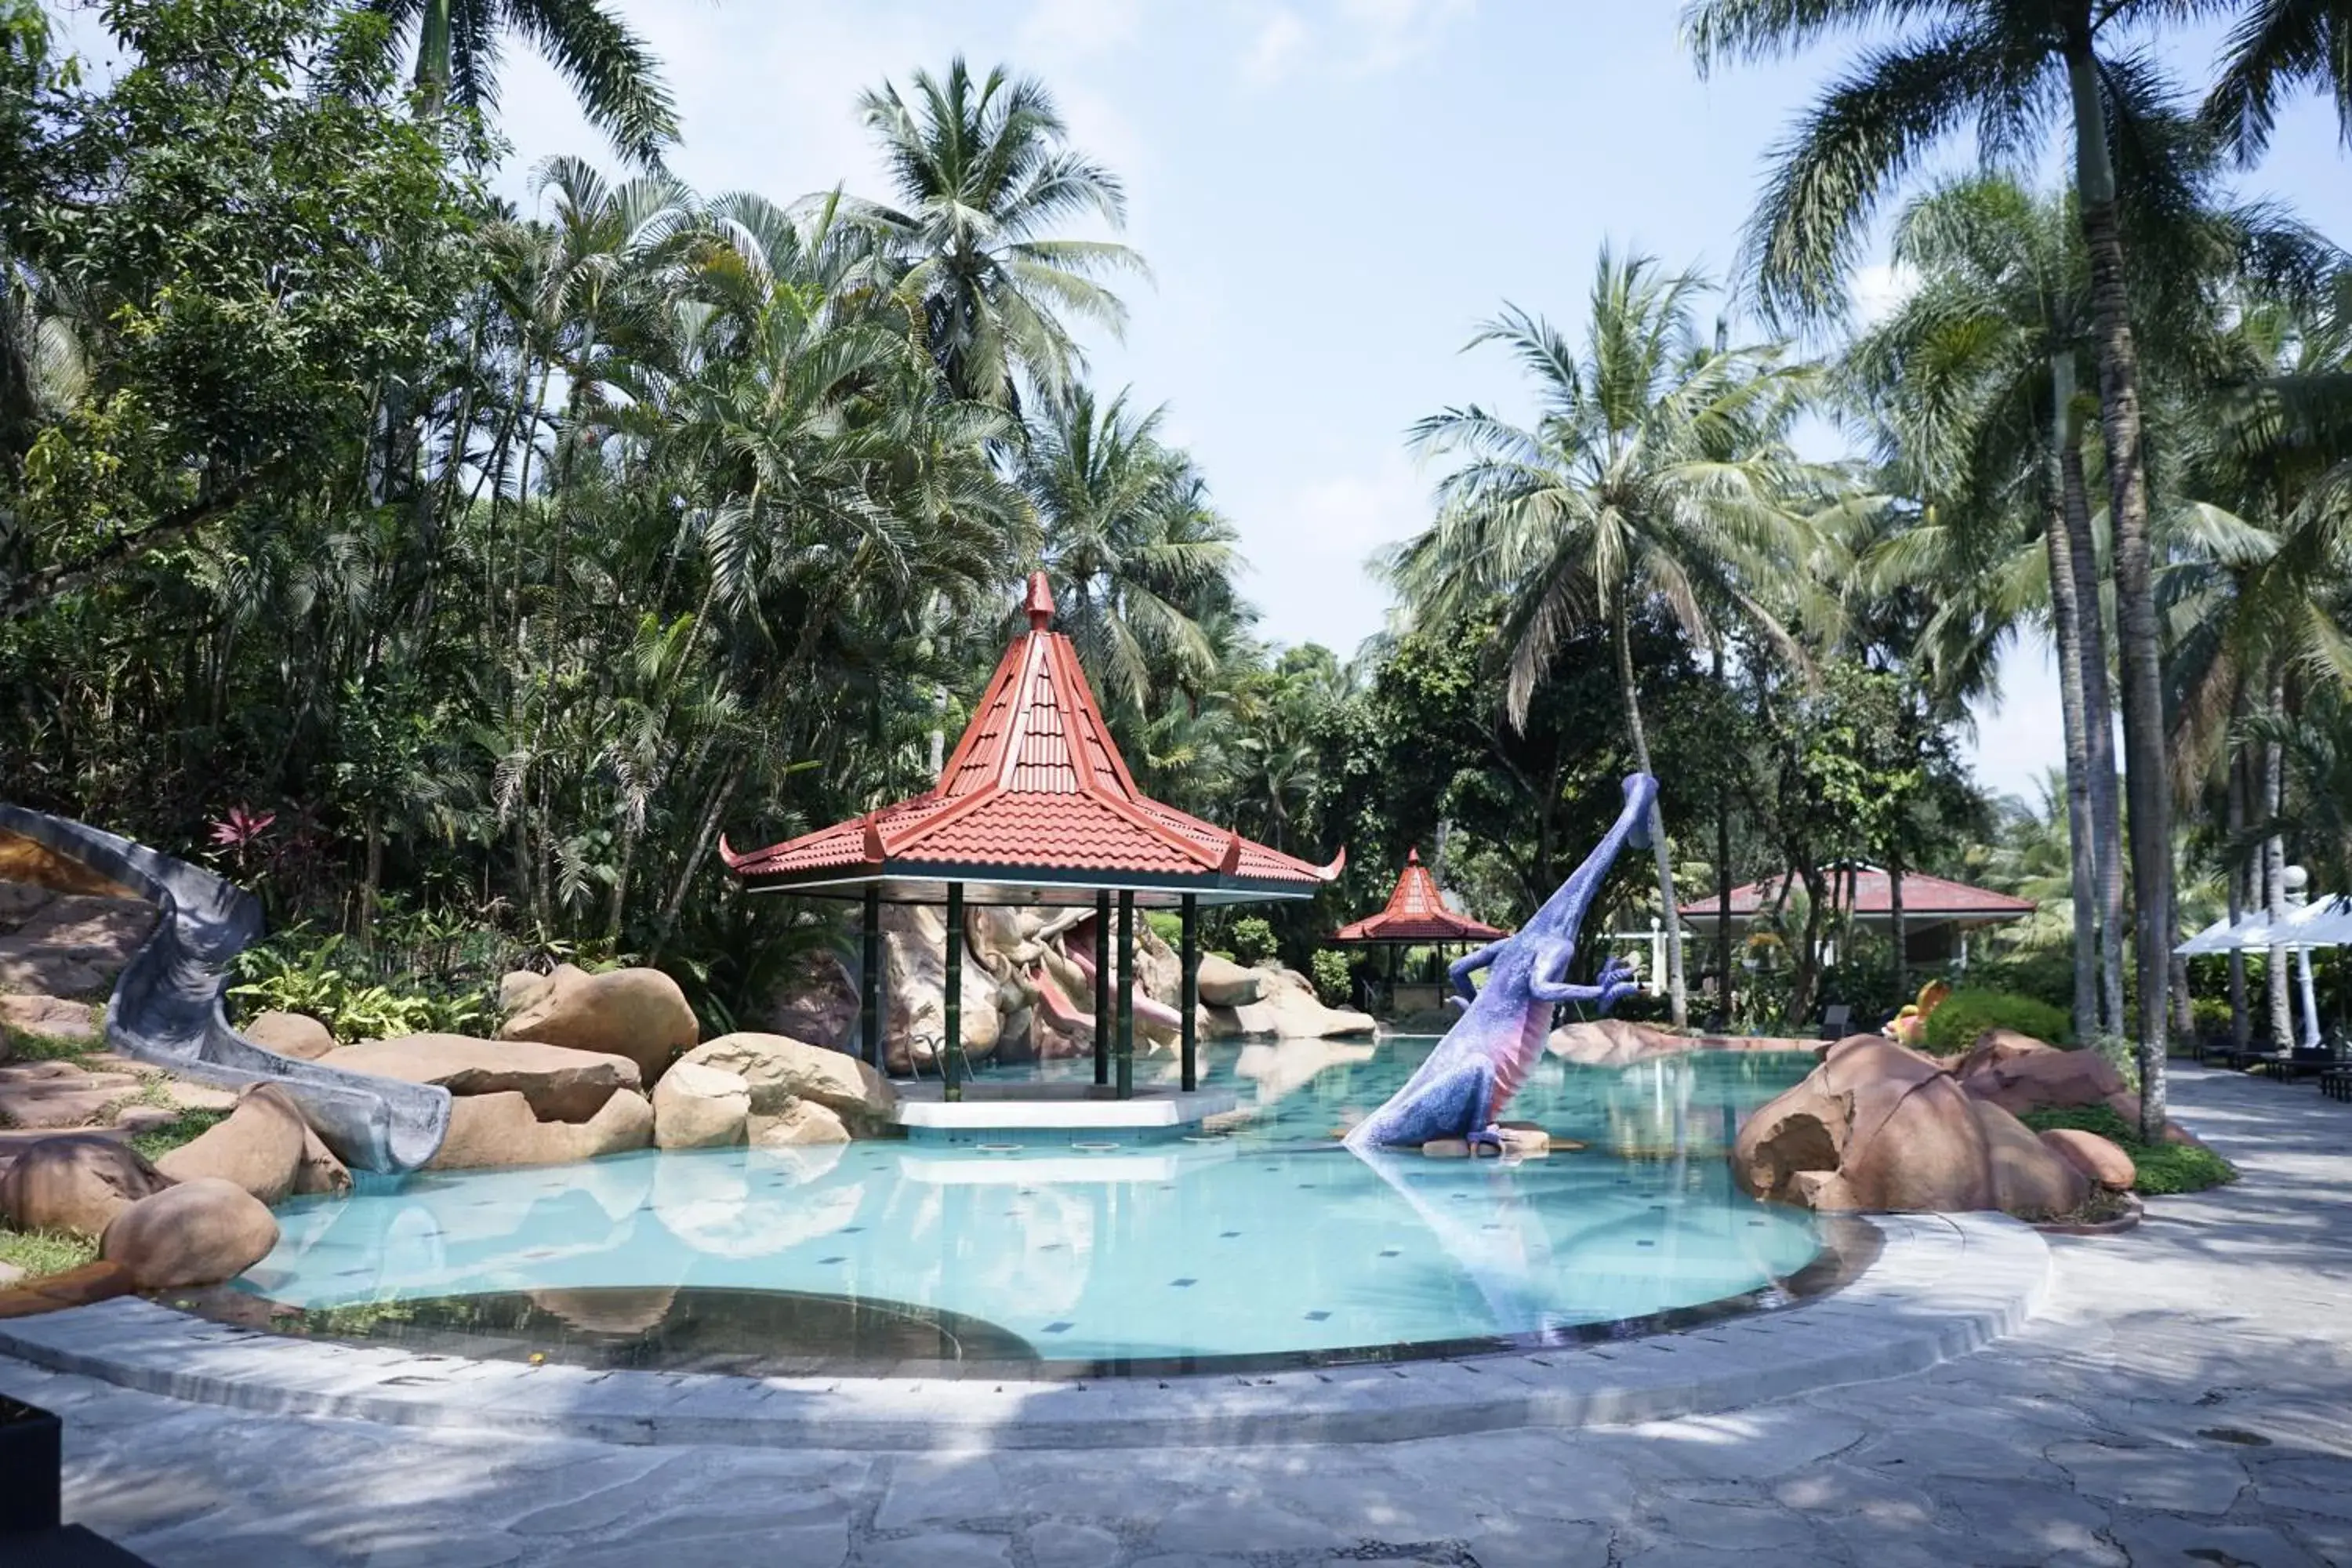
<point>28,1047</point>
<point>186,1130</point>
<point>2164,1168</point>
<point>44,1252</point>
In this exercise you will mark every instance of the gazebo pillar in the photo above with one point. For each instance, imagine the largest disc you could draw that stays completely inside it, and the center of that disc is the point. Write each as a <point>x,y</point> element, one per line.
<point>1102,989</point>
<point>1126,994</point>
<point>869,981</point>
<point>949,1071</point>
<point>1189,997</point>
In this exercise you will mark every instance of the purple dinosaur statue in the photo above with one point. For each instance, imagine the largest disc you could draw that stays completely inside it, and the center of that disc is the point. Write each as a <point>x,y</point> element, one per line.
<point>1461,1088</point>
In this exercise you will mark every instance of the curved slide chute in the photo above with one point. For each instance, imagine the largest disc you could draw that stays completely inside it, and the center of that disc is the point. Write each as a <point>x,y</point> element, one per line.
<point>166,1007</point>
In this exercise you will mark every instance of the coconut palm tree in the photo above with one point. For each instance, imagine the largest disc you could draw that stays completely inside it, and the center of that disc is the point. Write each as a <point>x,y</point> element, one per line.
<point>1129,541</point>
<point>2006,70</point>
<point>984,176</point>
<point>1654,473</point>
<point>609,68</point>
<point>2277,47</point>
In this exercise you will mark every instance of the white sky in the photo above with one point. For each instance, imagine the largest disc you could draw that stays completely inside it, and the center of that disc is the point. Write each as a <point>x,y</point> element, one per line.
<point>1332,194</point>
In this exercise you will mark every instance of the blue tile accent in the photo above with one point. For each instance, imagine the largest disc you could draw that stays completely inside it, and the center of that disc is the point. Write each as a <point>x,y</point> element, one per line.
<point>1057,1328</point>
<point>1227,1235</point>
<point>1390,1252</point>
<point>834,1260</point>
<point>1316,1317</point>
<point>1180,1284</point>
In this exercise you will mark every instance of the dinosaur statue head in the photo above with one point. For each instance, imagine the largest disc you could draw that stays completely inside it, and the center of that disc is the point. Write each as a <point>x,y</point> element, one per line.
<point>1563,913</point>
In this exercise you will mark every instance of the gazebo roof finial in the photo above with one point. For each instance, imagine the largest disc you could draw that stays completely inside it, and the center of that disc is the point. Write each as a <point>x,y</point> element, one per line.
<point>1038,604</point>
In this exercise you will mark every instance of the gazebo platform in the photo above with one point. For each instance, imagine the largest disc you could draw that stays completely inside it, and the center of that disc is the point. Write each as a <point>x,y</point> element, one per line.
<point>1001,1112</point>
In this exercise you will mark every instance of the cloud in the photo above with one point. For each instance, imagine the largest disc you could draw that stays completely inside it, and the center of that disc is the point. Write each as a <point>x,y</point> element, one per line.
<point>1077,29</point>
<point>1276,49</point>
<point>1308,551</point>
<point>1358,38</point>
<point>1879,290</point>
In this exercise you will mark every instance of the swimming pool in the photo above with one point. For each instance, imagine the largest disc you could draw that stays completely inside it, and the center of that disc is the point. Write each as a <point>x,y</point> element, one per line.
<point>1264,1244</point>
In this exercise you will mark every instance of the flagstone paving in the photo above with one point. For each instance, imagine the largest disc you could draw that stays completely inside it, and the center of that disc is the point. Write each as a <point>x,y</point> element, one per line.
<point>2184,1397</point>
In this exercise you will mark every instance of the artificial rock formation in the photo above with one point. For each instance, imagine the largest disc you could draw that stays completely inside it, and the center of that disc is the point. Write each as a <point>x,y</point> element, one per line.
<point>498,1130</point>
<point>196,1233</point>
<point>1614,1042</point>
<point>561,1084</point>
<point>294,1035</point>
<point>1224,983</point>
<point>1877,1126</point>
<point>914,947</point>
<point>75,1183</point>
<point>777,1071</point>
<point>260,1147</point>
<point>697,1106</point>
<point>1286,1008</point>
<point>816,1002</point>
<point>802,1122</point>
<point>2099,1159</point>
<point>320,1171</point>
<point>68,944</point>
<point>639,1013</point>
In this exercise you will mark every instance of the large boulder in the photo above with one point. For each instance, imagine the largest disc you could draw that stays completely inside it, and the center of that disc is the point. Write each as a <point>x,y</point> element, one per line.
<point>561,1084</point>
<point>53,1018</point>
<point>1286,1009</point>
<point>779,1070</point>
<point>259,1147</point>
<point>498,1130</point>
<point>75,1183</point>
<point>296,1035</point>
<point>1878,1126</point>
<point>2020,1074</point>
<point>1614,1042</point>
<point>700,1107</point>
<point>803,1121</point>
<point>1224,983</point>
<point>74,945</point>
<point>639,1013</point>
<point>198,1232</point>
<point>2100,1158</point>
<point>816,1001</point>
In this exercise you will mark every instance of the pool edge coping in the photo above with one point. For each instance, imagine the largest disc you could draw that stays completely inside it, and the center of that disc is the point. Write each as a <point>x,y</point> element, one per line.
<point>1942,1286</point>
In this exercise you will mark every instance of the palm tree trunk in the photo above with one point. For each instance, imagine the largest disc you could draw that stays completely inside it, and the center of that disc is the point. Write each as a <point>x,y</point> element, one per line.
<point>1676,999</point>
<point>433,55</point>
<point>2066,623</point>
<point>2098,717</point>
<point>2236,878</point>
<point>2136,622</point>
<point>2275,969</point>
<point>1722,877</point>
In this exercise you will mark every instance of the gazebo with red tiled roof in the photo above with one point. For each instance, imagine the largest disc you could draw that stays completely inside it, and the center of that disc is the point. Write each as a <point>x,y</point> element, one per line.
<point>1034,806</point>
<point>1416,915</point>
<point>1935,909</point>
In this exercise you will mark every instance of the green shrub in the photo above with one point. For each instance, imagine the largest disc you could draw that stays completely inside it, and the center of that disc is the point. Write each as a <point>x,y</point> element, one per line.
<point>1332,981</point>
<point>2164,1168</point>
<point>297,973</point>
<point>1955,1025</point>
<point>1253,940</point>
<point>2210,1017</point>
<point>1169,928</point>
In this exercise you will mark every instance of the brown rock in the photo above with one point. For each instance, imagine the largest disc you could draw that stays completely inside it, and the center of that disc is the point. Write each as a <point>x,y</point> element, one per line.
<point>137,1119</point>
<point>816,1001</point>
<point>320,1171</point>
<point>1447,1149</point>
<point>2100,1158</point>
<point>700,1107</point>
<point>802,1122</point>
<point>639,1013</point>
<point>1914,1143</point>
<point>258,1148</point>
<point>75,1183</point>
<point>1224,983</point>
<point>1523,1142</point>
<point>198,1233</point>
<point>914,951</point>
<point>778,1070</point>
<point>1824,1192</point>
<point>296,1035</point>
<point>498,1130</point>
<point>561,1084</point>
<point>1996,1047</point>
<point>2030,1179</point>
<point>1286,1008</point>
<point>74,945</point>
<point>1802,1130</point>
<point>58,1094</point>
<point>2035,1079</point>
<point>190,1096</point>
<point>53,1018</point>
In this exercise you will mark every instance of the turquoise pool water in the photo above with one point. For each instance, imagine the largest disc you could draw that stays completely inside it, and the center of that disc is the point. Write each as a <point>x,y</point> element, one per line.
<point>1267,1241</point>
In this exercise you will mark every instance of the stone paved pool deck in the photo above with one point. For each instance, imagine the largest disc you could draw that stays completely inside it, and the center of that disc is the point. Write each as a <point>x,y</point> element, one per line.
<point>2182,1395</point>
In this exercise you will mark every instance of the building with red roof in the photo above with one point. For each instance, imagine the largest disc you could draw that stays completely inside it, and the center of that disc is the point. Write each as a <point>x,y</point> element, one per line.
<point>1416,915</point>
<point>1937,913</point>
<point>1036,806</point>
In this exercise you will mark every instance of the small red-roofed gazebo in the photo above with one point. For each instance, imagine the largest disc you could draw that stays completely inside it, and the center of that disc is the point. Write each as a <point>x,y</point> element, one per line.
<point>1034,806</point>
<point>1415,916</point>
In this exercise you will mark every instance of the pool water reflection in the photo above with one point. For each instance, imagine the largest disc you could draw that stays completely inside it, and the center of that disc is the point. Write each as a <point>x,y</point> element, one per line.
<point>1270,1241</point>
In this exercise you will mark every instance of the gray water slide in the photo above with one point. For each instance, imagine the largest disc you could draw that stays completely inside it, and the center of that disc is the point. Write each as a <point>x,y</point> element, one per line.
<point>166,1007</point>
